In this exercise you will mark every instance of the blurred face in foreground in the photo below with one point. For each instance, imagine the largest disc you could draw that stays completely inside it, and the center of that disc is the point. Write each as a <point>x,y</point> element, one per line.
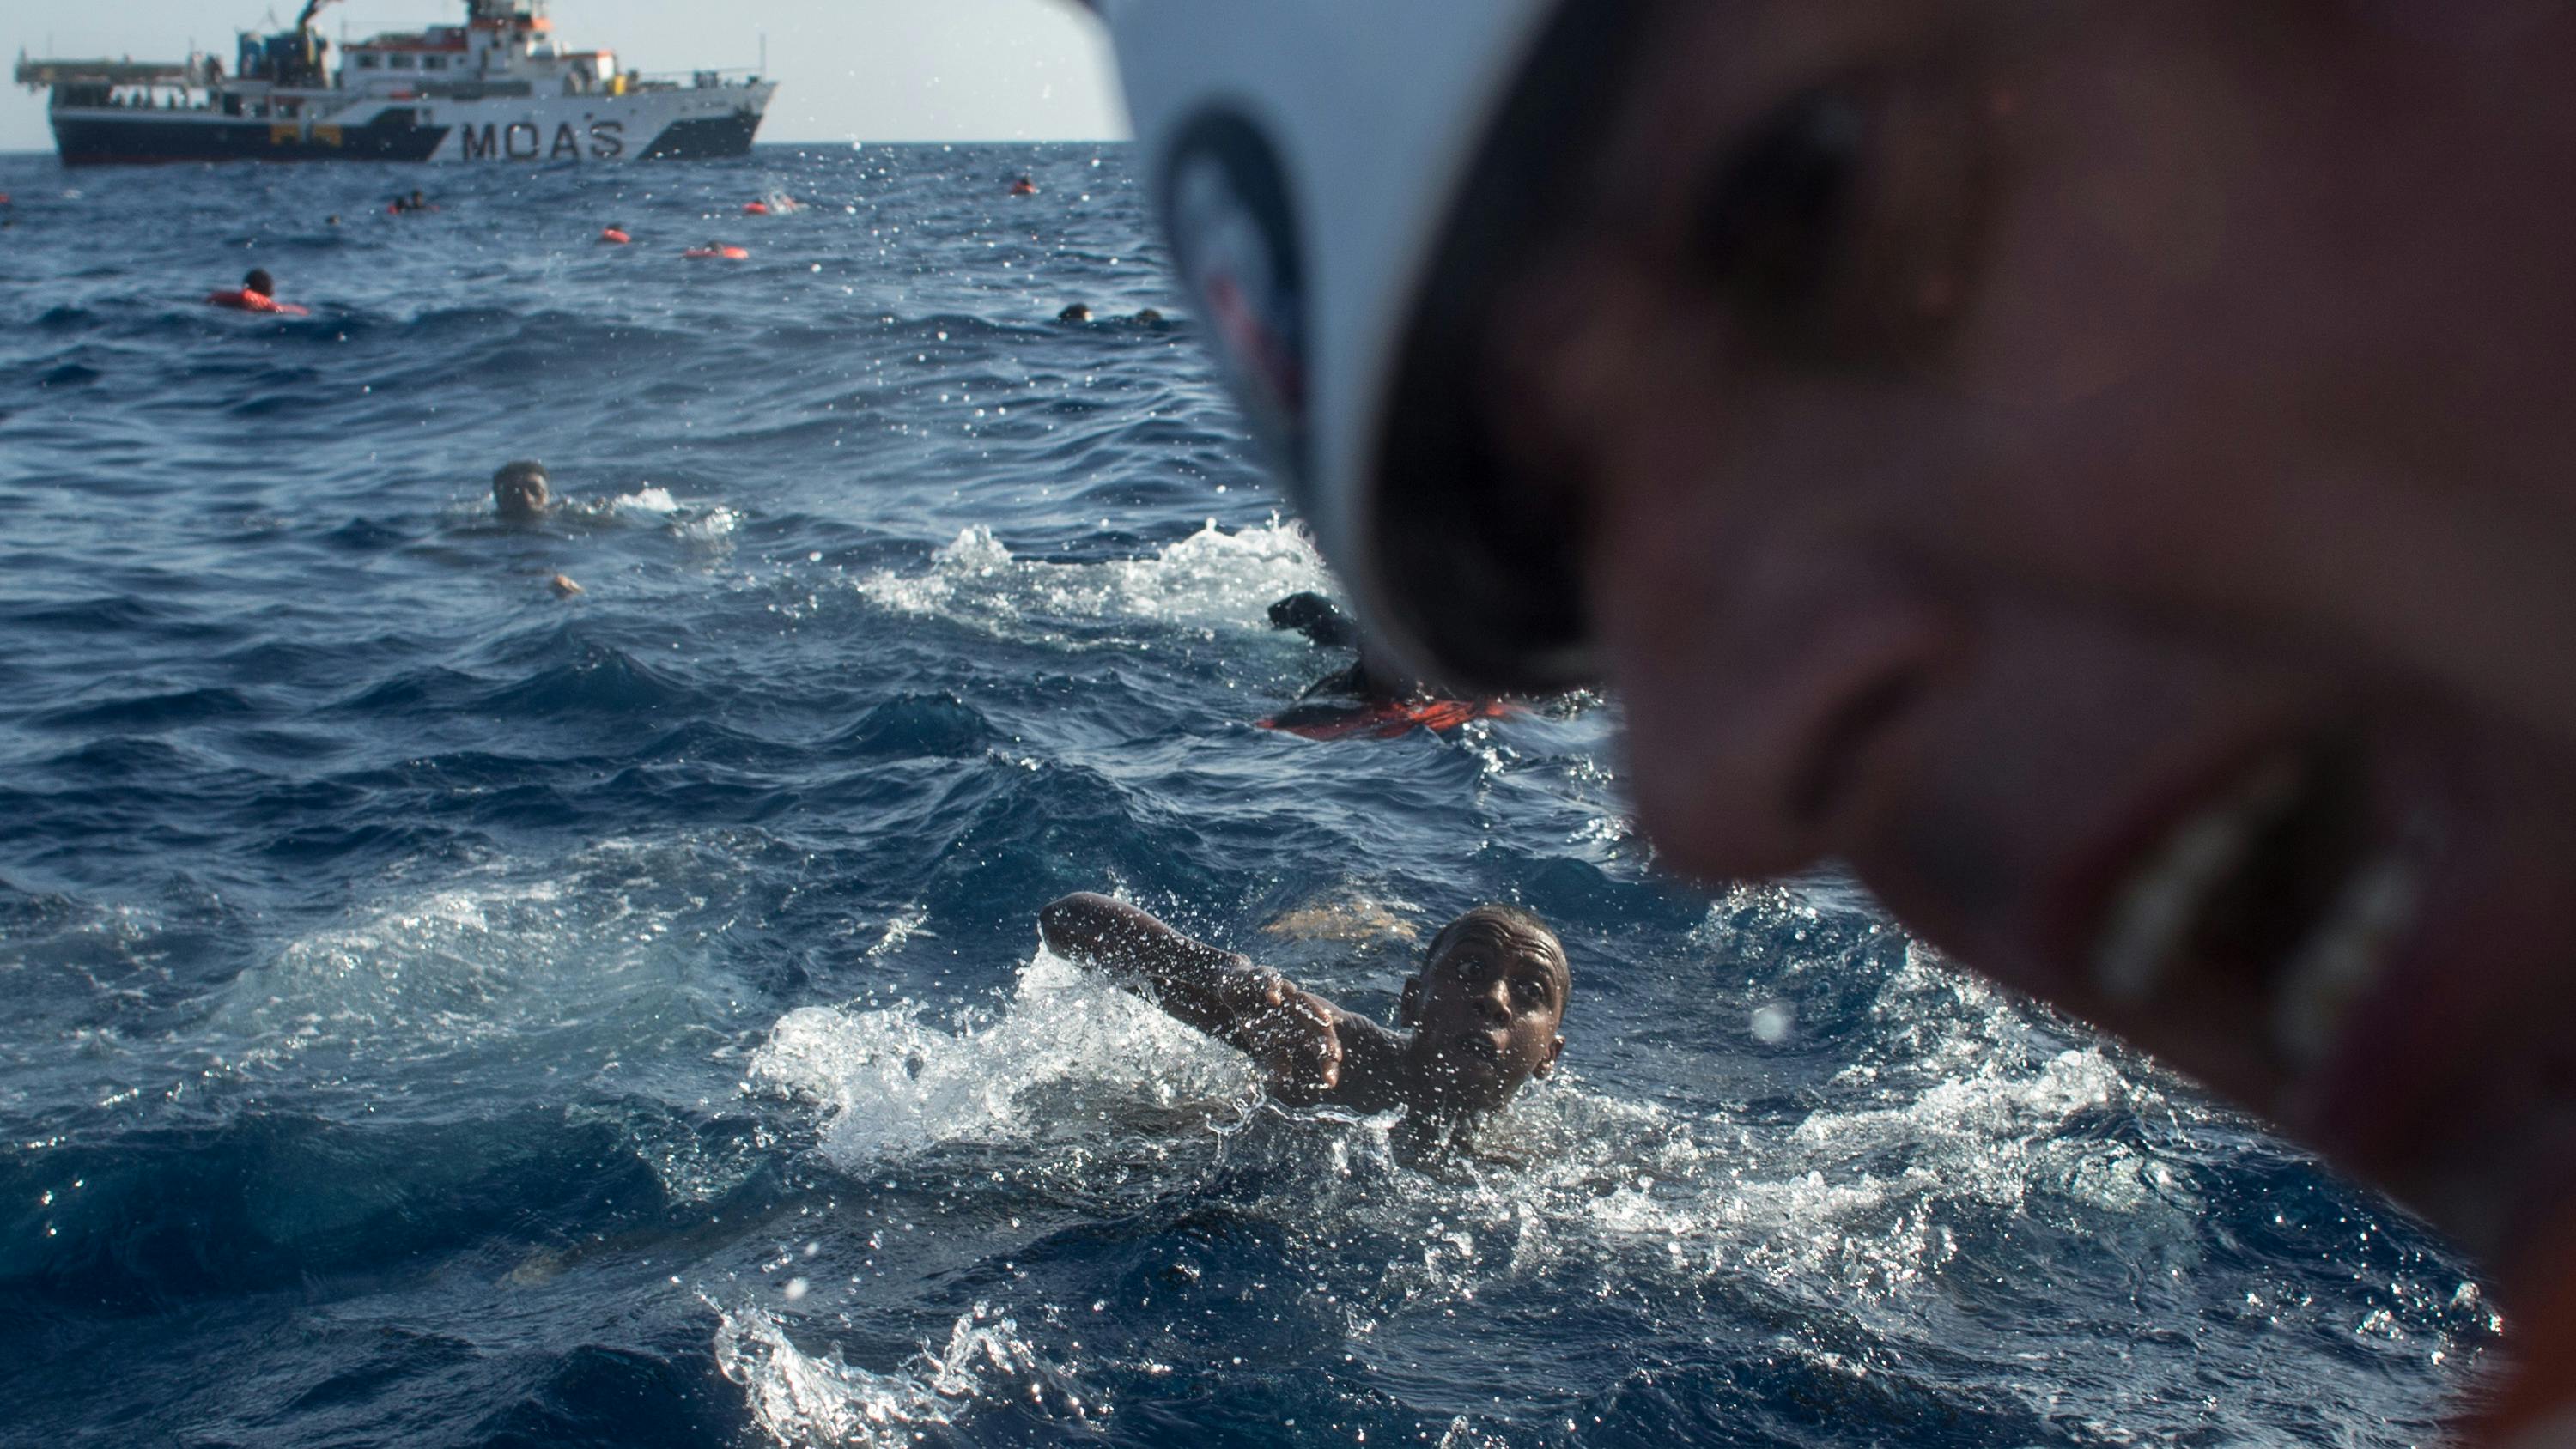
<point>2104,471</point>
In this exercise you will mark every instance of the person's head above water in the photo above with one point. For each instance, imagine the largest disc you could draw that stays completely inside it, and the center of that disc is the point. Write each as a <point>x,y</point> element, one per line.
<point>1075,312</point>
<point>259,283</point>
<point>519,491</point>
<point>1975,445</point>
<point>1485,1009</point>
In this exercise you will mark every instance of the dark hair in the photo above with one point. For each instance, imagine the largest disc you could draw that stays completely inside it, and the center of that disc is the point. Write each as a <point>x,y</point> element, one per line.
<point>261,282</point>
<point>519,468</point>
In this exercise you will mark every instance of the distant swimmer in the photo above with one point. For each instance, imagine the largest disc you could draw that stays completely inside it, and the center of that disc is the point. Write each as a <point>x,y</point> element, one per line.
<point>1369,697</point>
<point>1148,318</point>
<point>717,251</point>
<point>774,205</point>
<point>755,208</point>
<point>519,491</point>
<point>402,205</point>
<point>332,220</point>
<point>257,293</point>
<point>1078,312</point>
<point>1481,1014</point>
<point>1024,187</point>
<point>616,236</point>
<point>564,587</point>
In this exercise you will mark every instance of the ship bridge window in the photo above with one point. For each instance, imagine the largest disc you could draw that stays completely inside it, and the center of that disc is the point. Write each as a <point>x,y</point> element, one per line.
<point>368,62</point>
<point>433,62</point>
<point>402,61</point>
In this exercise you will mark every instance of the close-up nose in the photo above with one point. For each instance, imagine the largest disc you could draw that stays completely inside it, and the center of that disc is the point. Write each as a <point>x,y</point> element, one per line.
<point>1782,729</point>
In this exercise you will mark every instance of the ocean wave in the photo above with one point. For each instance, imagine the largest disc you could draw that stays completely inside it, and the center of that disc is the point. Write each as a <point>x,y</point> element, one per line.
<point>806,1401</point>
<point>1212,580</point>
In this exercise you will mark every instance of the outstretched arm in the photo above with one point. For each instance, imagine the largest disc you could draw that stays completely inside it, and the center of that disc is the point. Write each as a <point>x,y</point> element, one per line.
<point>1289,1032</point>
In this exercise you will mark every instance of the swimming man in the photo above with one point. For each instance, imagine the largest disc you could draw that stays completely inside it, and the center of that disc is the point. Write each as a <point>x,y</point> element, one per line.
<point>1367,680</point>
<point>1483,1014</point>
<point>519,491</point>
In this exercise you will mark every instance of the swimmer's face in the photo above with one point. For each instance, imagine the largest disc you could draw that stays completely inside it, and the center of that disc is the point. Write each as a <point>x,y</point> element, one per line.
<point>519,496</point>
<point>2103,471</point>
<point>1485,1010</point>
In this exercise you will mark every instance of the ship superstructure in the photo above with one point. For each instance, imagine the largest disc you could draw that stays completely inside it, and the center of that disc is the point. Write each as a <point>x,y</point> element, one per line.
<point>495,90</point>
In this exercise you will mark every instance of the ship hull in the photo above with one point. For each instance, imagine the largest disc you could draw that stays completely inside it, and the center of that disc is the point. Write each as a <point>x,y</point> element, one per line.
<point>693,124</point>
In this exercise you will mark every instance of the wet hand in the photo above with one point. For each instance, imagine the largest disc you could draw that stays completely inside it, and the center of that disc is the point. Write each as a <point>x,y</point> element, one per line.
<point>1290,1035</point>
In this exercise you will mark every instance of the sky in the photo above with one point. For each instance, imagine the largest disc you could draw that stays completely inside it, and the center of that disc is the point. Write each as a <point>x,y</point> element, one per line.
<point>871,70</point>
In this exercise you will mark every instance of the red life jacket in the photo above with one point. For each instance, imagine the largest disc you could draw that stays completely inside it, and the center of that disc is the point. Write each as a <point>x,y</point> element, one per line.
<point>241,300</point>
<point>730,254</point>
<point>612,234</point>
<point>1387,720</point>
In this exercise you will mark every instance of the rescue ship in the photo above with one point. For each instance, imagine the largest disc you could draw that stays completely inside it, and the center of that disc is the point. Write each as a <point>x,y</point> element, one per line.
<point>496,90</point>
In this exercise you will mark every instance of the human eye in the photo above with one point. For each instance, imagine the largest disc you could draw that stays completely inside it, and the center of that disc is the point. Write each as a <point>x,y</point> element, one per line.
<point>1840,232</point>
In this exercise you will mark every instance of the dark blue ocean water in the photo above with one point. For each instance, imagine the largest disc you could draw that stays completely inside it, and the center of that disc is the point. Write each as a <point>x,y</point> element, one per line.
<point>436,1013</point>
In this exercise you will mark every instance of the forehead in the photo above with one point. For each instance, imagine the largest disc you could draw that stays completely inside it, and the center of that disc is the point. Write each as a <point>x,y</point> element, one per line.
<point>1503,936</point>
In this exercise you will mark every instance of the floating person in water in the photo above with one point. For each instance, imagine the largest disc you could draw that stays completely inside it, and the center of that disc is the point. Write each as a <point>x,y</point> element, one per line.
<point>1024,187</point>
<point>519,492</point>
<point>615,234</point>
<point>404,205</point>
<point>257,293</point>
<point>1077,313</point>
<point>1481,1015</point>
<point>1369,697</point>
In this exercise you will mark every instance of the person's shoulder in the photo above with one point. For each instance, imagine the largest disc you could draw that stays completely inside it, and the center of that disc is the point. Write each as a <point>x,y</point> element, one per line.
<point>1350,1022</point>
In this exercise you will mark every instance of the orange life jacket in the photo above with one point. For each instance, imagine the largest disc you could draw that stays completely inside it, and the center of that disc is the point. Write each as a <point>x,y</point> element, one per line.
<point>243,300</point>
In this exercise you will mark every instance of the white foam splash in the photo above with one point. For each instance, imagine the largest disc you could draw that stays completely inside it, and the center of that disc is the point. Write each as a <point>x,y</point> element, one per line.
<point>716,525</point>
<point>1209,581</point>
<point>888,1082</point>
<point>646,500</point>
<point>804,1400</point>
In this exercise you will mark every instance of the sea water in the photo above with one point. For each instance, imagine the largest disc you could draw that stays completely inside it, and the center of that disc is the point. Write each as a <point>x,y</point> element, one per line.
<point>438,1012</point>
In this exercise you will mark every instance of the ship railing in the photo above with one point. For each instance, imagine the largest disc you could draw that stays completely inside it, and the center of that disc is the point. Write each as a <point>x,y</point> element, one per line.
<point>36,75</point>
<point>691,80</point>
